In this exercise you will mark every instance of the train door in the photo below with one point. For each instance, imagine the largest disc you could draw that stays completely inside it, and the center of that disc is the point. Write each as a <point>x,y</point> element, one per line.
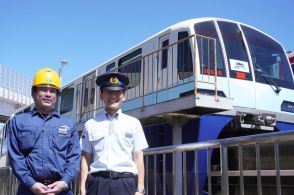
<point>86,100</point>
<point>210,54</point>
<point>164,63</point>
<point>242,88</point>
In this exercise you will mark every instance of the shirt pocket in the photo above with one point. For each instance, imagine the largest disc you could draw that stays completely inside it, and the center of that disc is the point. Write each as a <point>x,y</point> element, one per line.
<point>61,140</point>
<point>125,138</point>
<point>97,140</point>
<point>28,139</point>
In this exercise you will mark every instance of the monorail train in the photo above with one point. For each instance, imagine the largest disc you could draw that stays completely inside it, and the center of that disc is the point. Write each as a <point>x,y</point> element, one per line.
<point>198,80</point>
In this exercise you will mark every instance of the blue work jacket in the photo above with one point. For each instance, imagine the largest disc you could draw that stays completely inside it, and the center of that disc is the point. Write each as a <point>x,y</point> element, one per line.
<point>43,149</point>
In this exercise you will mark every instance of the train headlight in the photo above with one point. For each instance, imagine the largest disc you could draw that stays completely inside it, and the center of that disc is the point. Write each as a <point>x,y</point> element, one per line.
<point>270,120</point>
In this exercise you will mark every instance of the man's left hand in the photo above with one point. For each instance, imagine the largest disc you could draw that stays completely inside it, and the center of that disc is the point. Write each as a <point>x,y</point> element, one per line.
<point>57,187</point>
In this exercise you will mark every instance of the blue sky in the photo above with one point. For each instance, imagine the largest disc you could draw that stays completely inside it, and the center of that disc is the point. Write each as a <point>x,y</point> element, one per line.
<point>40,33</point>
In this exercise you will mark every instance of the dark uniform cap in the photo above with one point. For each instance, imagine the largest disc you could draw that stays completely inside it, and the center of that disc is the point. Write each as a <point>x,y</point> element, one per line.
<point>112,81</point>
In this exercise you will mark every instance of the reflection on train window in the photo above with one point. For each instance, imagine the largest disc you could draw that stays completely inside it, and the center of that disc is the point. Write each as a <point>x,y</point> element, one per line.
<point>268,59</point>
<point>131,64</point>
<point>164,55</point>
<point>206,49</point>
<point>86,91</point>
<point>1,136</point>
<point>67,97</point>
<point>184,65</point>
<point>92,95</point>
<point>236,52</point>
<point>110,67</point>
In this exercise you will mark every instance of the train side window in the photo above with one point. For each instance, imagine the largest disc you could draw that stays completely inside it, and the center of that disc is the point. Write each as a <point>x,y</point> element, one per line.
<point>28,109</point>
<point>164,55</point>
<point>67,97</point>
<point>206,49</point>
<point>236,52</point>
<point>184,63</point>
<point>131,64</point>
<point>110,67</point>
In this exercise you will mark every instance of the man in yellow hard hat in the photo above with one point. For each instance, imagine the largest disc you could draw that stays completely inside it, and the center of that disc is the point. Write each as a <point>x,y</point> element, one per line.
<point>44,146</point>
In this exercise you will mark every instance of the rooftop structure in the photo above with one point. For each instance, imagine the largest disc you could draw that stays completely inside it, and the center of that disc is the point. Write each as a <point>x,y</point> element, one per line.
<point>15,91</point>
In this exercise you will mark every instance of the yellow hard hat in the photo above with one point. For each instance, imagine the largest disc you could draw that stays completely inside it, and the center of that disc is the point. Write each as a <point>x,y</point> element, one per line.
<point>47,76</point>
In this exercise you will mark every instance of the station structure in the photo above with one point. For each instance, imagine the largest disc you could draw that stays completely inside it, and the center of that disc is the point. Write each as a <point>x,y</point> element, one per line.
<point>15,92</point>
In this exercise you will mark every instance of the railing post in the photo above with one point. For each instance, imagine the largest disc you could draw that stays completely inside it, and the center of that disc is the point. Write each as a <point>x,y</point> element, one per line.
<point>208,158</point>
<point>185,173</point>
<point>224,170</point>
<point>240,153</point>
<point>196,172</point>
<point>258,168</point>
<point>154,175</point>
<point>143,82</point>
<point>147,174</point>
<point>195,67</point>
<point>164,174</point>
<point>277,167</point>
<point>215,70</point>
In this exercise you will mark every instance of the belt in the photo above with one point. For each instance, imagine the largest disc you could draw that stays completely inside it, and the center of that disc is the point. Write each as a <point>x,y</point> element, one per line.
<point>112,174</point>
<point>46,181</point>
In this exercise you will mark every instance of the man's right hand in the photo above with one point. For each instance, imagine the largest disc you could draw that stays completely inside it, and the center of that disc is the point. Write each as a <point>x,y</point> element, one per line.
<point>39,189</point>
<point>82,191</point>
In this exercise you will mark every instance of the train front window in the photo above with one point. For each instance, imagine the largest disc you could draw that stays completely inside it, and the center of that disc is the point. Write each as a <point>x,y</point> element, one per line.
<point>206,49</point>
<point>236,52</point>
<point>268,58</point>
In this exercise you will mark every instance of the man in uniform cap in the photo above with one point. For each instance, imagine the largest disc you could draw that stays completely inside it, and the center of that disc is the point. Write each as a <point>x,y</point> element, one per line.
<point>112,158</point>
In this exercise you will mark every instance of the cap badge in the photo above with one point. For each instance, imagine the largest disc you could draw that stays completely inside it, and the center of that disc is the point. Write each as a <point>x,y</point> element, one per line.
<point>113,80</point>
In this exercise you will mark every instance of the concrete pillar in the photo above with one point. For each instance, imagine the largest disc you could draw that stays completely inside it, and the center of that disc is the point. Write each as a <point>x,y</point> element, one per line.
<point>177,123</point>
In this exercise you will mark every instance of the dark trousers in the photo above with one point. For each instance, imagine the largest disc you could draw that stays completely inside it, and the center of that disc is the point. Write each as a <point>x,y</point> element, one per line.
<point>105,186</point>
<point>22,190</point>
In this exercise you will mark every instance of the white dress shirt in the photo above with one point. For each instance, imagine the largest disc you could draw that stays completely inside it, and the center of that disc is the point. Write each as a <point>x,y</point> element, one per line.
<point>112,141</point>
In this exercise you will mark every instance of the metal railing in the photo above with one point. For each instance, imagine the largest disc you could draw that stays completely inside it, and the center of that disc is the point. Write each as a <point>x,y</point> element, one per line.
<point>9,183</point>
<point>148,78</point>
<point>14,86</point>
<point>259,164</point>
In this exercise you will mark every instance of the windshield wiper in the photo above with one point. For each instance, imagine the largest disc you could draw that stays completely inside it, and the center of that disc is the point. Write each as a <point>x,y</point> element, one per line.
<point>269,81</point>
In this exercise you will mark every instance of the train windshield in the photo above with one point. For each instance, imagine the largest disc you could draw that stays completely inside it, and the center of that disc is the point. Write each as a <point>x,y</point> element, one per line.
<point>268,58</point>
